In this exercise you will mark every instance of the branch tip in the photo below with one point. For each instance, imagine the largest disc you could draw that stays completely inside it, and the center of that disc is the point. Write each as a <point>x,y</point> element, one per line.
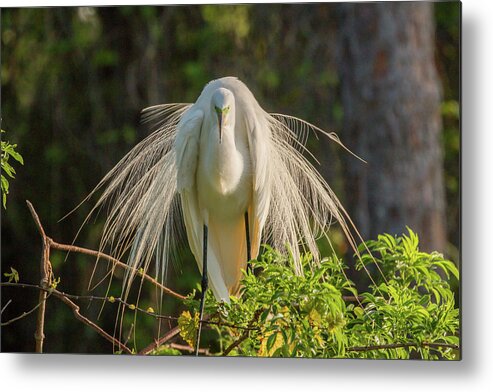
<point>36,219</point>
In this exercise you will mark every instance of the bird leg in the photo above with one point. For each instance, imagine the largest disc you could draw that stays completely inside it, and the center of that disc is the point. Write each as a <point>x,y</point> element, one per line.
<point>249,251</point>
<point>204,289</point>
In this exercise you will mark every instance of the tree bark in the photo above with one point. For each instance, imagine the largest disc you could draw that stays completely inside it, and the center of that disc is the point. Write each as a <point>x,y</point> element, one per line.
<point>391,98</point>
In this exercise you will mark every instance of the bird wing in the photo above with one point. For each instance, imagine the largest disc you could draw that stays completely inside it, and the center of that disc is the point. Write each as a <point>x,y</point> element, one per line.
<point>259,141</point>
<point>187,148</point>
<point>303,206</point>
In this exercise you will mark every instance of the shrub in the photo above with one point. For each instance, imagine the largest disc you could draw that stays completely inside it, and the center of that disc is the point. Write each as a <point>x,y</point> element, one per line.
<point>408,311</point>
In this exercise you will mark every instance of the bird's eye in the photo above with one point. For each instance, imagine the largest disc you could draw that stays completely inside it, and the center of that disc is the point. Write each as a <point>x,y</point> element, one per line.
<point>223,111</point>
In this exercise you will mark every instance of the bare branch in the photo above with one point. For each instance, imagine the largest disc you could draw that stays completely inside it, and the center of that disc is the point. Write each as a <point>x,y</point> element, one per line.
<point>45,271</point>
<point>76,310</point>
<point>116,262</point>
<point>36,219</point>
<point>24,314</point>
<point>65,298</point>
<point>352,298</point>
<point>5,307</point>
<point>236,343</point>
<point>72,248</point>
<point>182,347</point>
<point>168,336</point>
<point>441,345</point>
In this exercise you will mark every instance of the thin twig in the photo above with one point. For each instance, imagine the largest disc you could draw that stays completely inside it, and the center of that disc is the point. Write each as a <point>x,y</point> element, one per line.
<point>24,314</point>
<point>72,248</point>
<point>116,262</point>
<point>5,307</point>
<point>126,304</point>
<point>182,347</point>
<point>88,298</point>
<point>36,219</point>
<point>129,334</point>
<point>76,310</point>
<point>167,336</point>
<point>352,298</point>
<point>244,335</point>
<point>66,298</point>
<point>236,343</point>
<point>402,345</point>
<point>441,345</point>
<point>226,324</point>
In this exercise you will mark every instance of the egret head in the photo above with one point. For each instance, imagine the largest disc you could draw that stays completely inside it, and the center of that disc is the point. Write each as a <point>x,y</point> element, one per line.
<point>223,106</point>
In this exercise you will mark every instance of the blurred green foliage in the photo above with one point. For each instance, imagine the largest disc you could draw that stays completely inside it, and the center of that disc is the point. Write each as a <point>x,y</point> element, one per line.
<point>74,80</point>
<point>447,19</point>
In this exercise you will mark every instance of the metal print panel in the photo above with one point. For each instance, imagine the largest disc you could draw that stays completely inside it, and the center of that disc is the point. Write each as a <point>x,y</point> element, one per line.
<point>259,180</point>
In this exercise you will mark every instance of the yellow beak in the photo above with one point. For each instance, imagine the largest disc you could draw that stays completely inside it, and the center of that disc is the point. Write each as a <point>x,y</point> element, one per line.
<point>220,118</point>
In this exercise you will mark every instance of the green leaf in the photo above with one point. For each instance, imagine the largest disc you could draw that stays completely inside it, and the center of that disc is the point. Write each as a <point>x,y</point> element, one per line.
<point>8,169</point>
<point>165,350</point>
<point>17,157</point>
<point>13,275</point>
<point>5,184</point>
<point>270,344</point>
<point>358,311</point>
<point>188,327</point>
<point>271,340</point>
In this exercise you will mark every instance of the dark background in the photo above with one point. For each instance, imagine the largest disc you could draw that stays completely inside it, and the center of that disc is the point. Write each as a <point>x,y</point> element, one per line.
<point>75,79</point>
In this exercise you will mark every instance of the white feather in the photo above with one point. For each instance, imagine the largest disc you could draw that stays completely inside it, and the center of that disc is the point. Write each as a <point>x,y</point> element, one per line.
<point>262,172</point>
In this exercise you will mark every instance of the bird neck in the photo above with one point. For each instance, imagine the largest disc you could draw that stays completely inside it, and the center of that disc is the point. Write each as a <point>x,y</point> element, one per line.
<point>225,151</point>
<point>223,162</point>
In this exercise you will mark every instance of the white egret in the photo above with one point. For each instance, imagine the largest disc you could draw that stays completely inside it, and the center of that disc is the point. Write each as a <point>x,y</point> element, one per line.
<point>238,175</point>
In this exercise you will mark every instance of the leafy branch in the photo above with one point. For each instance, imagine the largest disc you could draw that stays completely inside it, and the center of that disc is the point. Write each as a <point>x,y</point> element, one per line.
<point>8,151</point>
<point>409,309</point>
<point>404,345</point>
<point>99,255</point>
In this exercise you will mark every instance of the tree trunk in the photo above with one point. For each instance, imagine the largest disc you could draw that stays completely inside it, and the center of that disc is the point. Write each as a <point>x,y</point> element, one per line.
<point>391,98</point>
